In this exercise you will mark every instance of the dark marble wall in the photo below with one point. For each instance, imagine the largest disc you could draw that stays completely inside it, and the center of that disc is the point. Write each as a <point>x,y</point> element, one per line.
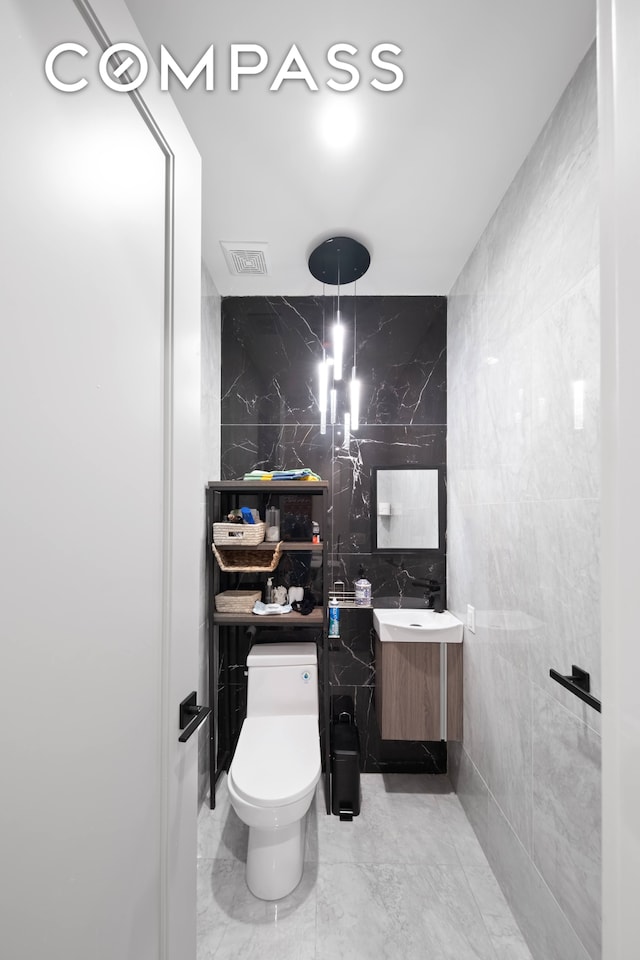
<point>271,348</point>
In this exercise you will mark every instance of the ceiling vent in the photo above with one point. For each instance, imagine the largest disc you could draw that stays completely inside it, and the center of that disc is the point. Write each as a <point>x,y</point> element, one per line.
<point>246,259</point>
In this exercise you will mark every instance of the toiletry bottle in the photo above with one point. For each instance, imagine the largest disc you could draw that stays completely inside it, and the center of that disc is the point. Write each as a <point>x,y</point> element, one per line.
<point>268,593</point>
<point>363,590</point>
<point>334,618</point>
<point>315,526</point>
<point>272,521</point>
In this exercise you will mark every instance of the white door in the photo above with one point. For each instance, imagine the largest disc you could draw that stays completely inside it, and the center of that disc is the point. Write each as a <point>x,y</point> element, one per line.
<point>99,512</point>
<point>619,134</point>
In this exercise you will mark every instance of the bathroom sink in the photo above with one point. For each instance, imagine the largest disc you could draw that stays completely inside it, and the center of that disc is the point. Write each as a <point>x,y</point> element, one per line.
<point>417,626</point>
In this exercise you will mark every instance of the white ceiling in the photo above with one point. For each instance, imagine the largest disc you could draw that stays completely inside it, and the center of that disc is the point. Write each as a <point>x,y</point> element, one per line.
<point>418,172</point>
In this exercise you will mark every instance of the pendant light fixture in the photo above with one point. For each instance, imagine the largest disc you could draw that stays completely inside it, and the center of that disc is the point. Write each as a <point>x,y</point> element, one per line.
<point>338,336</point>
<point>323,386</point>
<point>333,405</point>
<point>354,386</point>
<point>323,377</point>
<point>338,346</point>
<point>336,261</point>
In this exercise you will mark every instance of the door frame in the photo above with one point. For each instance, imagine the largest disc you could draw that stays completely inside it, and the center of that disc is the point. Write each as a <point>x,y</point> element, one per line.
<point>109,19</point>
<point>619,134</point>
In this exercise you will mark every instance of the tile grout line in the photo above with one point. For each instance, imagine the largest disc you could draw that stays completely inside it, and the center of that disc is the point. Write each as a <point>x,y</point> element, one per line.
<point>444,810</point>
<point>531,861</point>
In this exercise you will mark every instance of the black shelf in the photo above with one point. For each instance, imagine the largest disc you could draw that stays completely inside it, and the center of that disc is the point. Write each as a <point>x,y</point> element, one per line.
<point>228,631</point>
<point>286,546</point>
<point>313,619</point>
<point>268,487</point>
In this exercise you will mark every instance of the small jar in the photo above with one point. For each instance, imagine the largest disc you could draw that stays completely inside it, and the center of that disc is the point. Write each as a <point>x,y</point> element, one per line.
<point>363,592</point>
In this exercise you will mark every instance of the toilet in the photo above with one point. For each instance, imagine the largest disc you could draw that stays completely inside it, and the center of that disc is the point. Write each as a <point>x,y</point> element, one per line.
<point>276,765</point>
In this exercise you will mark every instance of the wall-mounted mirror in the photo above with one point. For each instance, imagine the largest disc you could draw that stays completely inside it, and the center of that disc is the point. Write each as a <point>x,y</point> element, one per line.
<point>408,508</point>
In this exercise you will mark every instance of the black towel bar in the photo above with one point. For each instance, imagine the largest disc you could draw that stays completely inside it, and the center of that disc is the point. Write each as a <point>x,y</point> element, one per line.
<point>191,716</point>
<point>579,684</point>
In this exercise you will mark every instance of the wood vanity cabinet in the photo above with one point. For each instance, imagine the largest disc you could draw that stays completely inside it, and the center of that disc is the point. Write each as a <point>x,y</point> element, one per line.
<point>419,690</point>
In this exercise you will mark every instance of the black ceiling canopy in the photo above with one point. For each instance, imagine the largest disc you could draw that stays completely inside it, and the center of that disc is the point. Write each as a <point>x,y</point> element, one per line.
<point>339,260</point>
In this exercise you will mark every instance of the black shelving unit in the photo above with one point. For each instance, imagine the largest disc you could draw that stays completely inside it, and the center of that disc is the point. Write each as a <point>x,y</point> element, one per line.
<point>228,631</point>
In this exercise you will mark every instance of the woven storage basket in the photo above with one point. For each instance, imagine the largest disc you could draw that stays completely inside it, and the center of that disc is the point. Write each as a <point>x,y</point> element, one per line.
<point>236,601</point>
<point>250,533</point>
<point>247,561</point>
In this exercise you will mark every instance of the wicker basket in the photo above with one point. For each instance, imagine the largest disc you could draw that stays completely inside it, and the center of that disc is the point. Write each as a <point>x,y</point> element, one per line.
<point>237,601</point>
<point>248,561</point>
<point>250,533</point>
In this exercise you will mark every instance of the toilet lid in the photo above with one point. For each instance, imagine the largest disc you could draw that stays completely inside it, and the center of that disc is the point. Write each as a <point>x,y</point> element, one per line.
<point>277,759</point>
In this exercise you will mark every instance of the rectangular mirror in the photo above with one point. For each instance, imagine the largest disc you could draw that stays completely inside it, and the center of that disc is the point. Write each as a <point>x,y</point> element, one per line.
<point>408,508</point>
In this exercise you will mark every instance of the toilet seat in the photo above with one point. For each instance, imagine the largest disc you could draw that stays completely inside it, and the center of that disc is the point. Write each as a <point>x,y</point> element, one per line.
<point>277,759</point>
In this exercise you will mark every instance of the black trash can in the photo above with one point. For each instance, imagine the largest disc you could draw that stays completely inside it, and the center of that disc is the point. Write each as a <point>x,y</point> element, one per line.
<point>345,768</point>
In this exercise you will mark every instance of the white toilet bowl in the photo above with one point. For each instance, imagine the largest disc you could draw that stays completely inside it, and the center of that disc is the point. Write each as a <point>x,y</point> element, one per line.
<point>271,785</point>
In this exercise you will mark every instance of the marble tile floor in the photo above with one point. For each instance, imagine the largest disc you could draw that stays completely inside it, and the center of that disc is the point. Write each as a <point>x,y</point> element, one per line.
<point>406,880</point>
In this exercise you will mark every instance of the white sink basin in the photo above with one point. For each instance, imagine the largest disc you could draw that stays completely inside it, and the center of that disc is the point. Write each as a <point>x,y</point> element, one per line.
<point>417,626</point>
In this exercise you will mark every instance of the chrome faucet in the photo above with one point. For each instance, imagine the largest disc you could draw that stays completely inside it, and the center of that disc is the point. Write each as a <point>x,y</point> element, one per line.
<point>433,594</point>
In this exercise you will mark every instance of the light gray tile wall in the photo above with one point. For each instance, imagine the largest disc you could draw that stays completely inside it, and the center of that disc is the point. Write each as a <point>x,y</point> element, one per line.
<point>523,530</point>
<point>210,470</point>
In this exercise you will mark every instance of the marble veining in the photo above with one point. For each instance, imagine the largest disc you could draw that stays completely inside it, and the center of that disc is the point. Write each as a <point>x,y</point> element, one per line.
<point>271,347</point>
<point>526,892</point>
<point>523,531</point>
<point>407,878</point>
<point>567,815</point>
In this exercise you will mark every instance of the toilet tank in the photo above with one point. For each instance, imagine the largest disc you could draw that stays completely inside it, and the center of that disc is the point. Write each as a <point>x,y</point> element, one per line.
<point>282,680</point>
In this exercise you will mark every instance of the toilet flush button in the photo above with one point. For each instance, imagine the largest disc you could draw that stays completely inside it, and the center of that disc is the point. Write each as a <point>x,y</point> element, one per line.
<point>306,676</point>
